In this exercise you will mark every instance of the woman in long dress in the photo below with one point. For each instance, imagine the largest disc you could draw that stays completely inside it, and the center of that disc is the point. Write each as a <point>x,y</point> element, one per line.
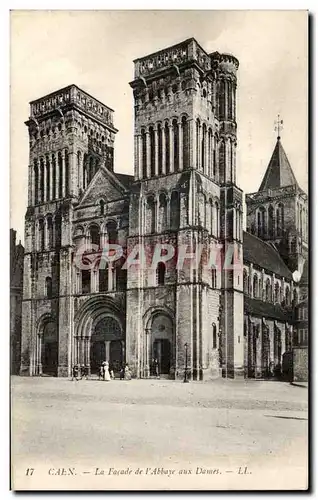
<point>106,372</point>
<point>127,373</point>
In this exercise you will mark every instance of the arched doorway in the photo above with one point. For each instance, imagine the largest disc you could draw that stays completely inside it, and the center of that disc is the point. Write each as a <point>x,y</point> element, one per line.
<point>107,344</point>
<point>161,348</point>
<point>49,349</point>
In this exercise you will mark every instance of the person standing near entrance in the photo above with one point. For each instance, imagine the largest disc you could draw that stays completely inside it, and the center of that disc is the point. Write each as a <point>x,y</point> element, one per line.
<point>106,372</point>
<point>157,371</point>
<point>127,373</point>
<point>75,372</point>
<point>152,367</point>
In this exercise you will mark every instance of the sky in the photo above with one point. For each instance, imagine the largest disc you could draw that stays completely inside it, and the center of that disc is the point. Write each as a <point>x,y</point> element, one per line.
<point>95,50</point>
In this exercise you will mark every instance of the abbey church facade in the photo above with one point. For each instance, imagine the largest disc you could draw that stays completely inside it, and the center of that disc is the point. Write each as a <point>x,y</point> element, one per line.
<point>227,321</point>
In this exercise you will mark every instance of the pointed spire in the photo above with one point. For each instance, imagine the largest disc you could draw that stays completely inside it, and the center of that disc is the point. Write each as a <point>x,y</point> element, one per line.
<point>279,172</point>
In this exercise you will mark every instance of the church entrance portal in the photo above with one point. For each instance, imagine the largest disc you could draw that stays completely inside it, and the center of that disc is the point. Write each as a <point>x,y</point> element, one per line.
<point>107,344</point>
<point>161,346</point>
<point>49,350</point>
<point>162,352</point>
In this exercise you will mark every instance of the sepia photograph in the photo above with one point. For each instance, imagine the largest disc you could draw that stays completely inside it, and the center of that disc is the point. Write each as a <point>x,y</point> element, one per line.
<point>159,250</point>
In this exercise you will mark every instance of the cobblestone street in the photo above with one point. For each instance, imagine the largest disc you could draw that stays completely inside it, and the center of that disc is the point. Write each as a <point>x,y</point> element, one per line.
<point>100,425</point>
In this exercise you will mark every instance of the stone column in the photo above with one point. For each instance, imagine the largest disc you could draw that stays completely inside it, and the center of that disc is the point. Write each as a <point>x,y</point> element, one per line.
<point>81,171</point>
<point>110,276</point>
<point>82,350</point>
<point>192,143</point>
<point>57,180</point>
<point>168,211</point>
<point>39,355</point>
<point>78,282</point>
<point>273,288</point>
<point>156,151</point>
<point>171,148</point>
<point>96,289</point>
<point>209,152</point>
<point>241,218</point>
<point>226,99</point>
<point>73,172</point>
<point>63,175</point>
<point>233,100</point>
<point>234,224</point>
<point>140,156</point>
<point>206,153</point>
<point>164,169</point>
<point>87,357</point>
<point>180,145</point>
<point>157,204</point>
<point>228,162</point>
<point>199,146</point>
<point>93,281</point>
<point>44,180</point>
<point>51,177</point>
<point>107,349</point>
<point>136,157</point>
<point>148,154</point>
<point>35,185</point>
<point>30,186</point>
<point>212,155</point>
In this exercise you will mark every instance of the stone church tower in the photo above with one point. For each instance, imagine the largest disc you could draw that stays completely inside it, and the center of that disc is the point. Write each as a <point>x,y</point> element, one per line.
<point>70,135</point>
<point>278,212</point>
<point>185,195</point>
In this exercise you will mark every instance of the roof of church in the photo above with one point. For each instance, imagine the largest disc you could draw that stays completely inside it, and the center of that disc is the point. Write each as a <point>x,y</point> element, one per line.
<point>264,255</point>
<point>266,309</point>
<point>279,172</point>
<point>125,179</point>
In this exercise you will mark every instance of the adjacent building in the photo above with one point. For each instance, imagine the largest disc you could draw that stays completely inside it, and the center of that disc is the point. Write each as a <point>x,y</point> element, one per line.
<point>16,292</point>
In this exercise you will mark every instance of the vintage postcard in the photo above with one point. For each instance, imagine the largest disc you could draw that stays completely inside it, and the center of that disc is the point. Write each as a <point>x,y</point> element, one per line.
<point>159,250</point>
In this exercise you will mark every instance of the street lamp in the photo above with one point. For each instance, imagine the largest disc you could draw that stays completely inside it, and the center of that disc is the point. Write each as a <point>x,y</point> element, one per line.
<point>185,380</point>
<point>147,372</point>
<point>220,347</point>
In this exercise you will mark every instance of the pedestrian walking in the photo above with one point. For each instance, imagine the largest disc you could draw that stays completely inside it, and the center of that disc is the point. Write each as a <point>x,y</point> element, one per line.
<point>101,372</point>
<point>85,372</point>
<point>127,372</point>
<point>106,372</point>
<point>122,373</point>
<point>152,368</point>
<point>157,371</point>
<point>75,372</point>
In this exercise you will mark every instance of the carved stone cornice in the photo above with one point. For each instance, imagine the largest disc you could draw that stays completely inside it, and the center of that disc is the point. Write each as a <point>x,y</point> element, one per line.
<point>71,96</point>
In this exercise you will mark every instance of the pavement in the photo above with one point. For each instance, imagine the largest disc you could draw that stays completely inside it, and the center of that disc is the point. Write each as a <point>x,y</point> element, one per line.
<point>217,435</point>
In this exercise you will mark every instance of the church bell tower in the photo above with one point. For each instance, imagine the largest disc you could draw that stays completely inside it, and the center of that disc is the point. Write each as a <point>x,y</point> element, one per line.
<point>185,195</point>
